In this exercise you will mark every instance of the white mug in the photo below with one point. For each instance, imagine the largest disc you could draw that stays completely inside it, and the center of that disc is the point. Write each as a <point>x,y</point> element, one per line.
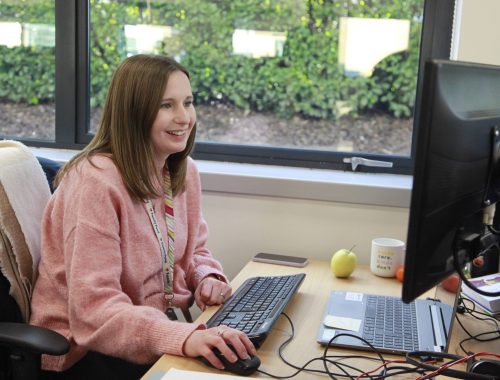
<point>386,256</point>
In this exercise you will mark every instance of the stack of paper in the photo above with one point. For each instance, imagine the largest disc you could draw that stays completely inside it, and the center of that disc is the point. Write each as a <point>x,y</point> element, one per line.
<point>489,283</point>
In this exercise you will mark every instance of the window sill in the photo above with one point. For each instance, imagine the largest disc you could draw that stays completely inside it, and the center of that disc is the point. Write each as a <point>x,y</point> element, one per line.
<point>316,184</point>
<point>288,182</point>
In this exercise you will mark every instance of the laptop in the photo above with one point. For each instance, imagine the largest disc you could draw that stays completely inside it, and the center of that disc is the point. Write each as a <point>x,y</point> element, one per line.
<point>422,325</point>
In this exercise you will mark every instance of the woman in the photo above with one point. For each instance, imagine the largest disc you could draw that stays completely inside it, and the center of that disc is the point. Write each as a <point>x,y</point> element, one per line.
<point>125,215</point>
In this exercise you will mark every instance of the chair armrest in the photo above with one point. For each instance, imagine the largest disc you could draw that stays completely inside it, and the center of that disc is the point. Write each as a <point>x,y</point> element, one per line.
<point>34,339</point>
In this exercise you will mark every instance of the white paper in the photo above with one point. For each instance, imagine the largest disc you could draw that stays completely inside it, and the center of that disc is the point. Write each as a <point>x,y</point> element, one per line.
<point>351,296</point>
<point>343,323</point>
<point>178,374</point>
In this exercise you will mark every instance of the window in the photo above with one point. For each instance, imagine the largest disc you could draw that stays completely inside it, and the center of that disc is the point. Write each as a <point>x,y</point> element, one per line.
<point>292,82</point>
<point>27,69</point>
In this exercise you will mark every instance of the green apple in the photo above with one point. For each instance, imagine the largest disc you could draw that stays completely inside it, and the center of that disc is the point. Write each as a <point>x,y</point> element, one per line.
<point>343,263</point>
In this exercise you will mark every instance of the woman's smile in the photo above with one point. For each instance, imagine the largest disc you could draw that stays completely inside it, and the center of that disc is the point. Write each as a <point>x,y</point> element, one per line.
<point>180,132</point>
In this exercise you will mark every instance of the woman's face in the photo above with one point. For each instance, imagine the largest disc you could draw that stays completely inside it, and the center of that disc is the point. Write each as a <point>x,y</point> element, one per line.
<point>175,119</point>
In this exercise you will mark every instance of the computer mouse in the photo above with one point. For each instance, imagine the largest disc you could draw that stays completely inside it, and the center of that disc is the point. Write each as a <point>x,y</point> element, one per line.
<point>241,367</point>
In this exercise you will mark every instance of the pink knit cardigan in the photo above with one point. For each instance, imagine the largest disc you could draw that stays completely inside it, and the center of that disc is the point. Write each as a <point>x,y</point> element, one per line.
<point>100,282</point>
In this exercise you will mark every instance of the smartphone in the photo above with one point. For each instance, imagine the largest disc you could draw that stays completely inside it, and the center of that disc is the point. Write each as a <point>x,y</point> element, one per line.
<point>271,258</point>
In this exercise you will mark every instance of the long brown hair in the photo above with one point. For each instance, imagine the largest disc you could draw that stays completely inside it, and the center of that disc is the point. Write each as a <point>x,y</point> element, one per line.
<point>131,106</point>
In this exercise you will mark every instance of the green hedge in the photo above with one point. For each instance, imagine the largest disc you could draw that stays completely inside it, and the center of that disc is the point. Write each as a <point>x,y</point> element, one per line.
<point>27,74</point>
<point>305,81</point>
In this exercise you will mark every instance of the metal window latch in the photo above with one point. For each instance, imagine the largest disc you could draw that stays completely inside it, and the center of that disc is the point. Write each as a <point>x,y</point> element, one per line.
<point>355,161</point>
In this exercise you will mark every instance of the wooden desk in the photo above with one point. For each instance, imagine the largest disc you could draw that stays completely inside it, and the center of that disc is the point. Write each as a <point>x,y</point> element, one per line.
<point>306,312</point>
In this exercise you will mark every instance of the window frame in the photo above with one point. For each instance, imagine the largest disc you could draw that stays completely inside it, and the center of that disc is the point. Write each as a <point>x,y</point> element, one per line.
<point>72,93</point>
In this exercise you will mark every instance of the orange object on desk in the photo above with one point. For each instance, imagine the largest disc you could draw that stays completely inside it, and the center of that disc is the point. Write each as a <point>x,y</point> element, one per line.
<point>400,273</point>
<point>451,283</point>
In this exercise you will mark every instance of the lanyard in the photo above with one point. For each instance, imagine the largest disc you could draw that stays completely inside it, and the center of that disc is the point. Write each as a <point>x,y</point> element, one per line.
<point>167,251</point>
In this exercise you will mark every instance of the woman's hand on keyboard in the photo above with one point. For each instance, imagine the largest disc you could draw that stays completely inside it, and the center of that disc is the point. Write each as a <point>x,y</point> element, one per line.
<point>202,342</point>
<point>211,291</point>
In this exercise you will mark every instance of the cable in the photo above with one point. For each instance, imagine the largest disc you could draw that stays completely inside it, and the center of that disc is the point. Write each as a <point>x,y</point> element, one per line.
<point>493,230</point>
<point>464,297</point>
<point>383,365</point>
<point>357,337</point>
<point>304,367</point>
<point>445,368</point>
<point>476,337</point>
<point>484,316</point>
<point>298,369</point>
<point>388,371</point>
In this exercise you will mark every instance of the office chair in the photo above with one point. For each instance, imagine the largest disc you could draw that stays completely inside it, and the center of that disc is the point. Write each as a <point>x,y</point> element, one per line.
<point>24,193</point>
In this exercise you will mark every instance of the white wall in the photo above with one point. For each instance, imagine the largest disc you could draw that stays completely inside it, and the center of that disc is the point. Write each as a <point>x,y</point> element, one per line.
<point>479,31</point>
<point>241,226</point>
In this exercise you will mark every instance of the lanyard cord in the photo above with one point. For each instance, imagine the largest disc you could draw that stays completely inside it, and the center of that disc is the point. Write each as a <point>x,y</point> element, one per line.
<point>167,252</point>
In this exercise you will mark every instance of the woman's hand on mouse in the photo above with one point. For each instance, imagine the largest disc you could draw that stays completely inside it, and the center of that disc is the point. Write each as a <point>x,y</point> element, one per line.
<point>202,343</point>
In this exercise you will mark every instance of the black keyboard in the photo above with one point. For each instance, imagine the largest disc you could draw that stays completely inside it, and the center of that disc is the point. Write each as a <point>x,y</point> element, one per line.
<point>390,323</point>
<point>257,304</point>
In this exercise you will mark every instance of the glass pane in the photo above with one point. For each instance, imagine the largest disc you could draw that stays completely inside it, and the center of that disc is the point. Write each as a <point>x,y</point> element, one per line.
<point>27,69</point>
<point>316,74</point>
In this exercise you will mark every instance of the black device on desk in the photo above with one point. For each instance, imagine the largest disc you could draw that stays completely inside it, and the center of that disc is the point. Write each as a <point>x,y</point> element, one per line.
<point>272,258</point>
<point>256,305</point>
<point>241,367</point>
<point>485,367</point>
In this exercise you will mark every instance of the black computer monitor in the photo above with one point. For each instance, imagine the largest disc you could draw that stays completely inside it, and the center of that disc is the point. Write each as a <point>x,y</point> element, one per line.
<point>455,171</point>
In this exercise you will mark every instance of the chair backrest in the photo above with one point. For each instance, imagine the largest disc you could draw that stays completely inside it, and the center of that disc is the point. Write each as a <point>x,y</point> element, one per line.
<point>24,193</point>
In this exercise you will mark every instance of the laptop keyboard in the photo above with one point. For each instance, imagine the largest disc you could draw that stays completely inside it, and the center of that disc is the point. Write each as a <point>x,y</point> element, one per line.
<point>390,323</point>
<point>257,304</point>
